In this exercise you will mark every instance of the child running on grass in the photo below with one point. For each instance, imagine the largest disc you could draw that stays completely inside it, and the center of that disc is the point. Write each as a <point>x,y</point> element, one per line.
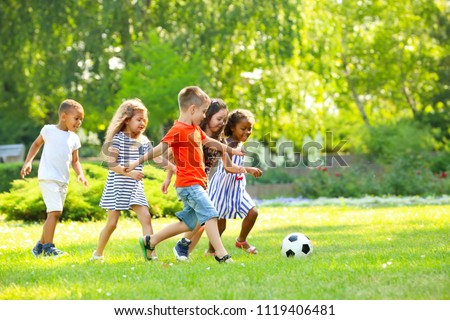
<point>186,140</point>
<point>227,191</point>
<point>61,146</point>
<point>124,142</point>
<point>213,126</point>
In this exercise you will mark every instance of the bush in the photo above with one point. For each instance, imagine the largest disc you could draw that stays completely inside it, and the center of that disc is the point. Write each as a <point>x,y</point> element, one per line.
<point>404,139</point>
<point>11,171</point>
<point>349,182</point>
<point>24,200</point>
<point>409,177</point>
<point>274,175</point>
<point>402,178</point>
<point>440,163</point>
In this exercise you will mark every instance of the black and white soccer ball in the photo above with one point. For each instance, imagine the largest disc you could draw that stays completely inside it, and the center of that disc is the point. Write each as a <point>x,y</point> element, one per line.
<point>296,245</point>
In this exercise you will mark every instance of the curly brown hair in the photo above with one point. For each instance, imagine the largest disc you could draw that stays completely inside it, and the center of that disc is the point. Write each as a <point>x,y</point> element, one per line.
<point>237,116</point>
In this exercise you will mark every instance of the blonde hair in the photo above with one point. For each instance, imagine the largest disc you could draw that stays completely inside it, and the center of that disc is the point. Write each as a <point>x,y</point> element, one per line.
<point>125,112</point>
<point>192,95</point>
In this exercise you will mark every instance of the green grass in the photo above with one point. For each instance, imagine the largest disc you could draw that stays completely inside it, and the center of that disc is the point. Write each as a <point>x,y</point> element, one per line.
<point>359,253</point>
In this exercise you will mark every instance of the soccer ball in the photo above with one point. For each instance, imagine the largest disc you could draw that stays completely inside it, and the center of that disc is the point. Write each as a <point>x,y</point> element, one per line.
<point>296,245</point>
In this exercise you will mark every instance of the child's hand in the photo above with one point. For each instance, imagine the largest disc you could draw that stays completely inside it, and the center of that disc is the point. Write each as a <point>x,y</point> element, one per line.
<point>237,152</point>
<point>242,170</point>
<point>26,169</point>
<point>136,175</point>
<point>131,166</point>
<point>83,180</point>
<point>165,185</point>
<point>256,172</point>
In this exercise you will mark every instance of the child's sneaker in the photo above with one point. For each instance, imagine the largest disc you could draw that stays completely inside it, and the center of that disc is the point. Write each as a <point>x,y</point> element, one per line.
<point>225,259</point>
<point>50,251</point>
<point>37,249</point>
<point>181,249</point>
<point>95,257</point>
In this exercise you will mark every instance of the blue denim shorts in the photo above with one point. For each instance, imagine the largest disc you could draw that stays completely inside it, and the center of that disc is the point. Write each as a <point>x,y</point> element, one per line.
<point>197,208</point>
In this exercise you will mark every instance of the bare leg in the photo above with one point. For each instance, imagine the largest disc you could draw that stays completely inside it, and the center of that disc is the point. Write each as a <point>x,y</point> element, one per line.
<point>247,225</point>
<point>108,229</point>
<point>222,225</point>
<point>214,237</point>
<point>194,236</point>
<point>143,215</point>
<point>48,229</point>
<point>168,232</point>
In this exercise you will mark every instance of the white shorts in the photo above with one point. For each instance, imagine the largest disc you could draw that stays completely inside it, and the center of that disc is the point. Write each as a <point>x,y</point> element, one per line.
<point>54,194</point>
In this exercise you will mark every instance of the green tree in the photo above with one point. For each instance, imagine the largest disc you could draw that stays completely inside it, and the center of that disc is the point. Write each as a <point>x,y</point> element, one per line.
<point>155,74</point>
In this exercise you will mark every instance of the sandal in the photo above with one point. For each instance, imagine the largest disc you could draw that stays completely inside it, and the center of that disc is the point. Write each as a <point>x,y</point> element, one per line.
<point>225,259</point>
<point>145,245</point>
<point>243,244</point>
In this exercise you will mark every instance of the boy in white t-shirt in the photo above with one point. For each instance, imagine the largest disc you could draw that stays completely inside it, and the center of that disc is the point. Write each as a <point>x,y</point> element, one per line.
<point>61,146</point>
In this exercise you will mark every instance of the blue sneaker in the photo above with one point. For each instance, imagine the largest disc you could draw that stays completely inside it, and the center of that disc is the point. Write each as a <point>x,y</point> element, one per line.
<point>50,251</point>
<point>181,249</point>
<point>37,249</point>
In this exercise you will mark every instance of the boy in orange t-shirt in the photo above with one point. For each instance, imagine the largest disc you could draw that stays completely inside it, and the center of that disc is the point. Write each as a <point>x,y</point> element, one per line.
<point>186,140</point>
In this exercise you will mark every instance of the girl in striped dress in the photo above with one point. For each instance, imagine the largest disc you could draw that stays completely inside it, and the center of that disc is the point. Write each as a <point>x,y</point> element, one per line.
<point>125,142</point>
<point>227,191</point>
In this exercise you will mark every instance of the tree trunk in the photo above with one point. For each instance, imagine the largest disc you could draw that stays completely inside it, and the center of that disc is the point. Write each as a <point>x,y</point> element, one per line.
<point>353,90</point>
<point>409,98</point>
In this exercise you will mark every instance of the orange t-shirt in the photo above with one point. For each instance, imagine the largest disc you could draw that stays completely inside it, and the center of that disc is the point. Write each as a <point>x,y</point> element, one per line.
<point>186,143</point>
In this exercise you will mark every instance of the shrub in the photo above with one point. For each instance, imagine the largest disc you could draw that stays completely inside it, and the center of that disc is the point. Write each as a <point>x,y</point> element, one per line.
<point>404,139</point>
<point>354,181</point>
<point>24,200</point>
<point>274,175</point>
<point>10,172</point>
<point>413,177</point>
<point>402,178</point>
<point>439,162</point>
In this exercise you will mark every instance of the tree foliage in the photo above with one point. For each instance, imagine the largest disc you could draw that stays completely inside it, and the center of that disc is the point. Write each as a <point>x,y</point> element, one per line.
<point>302,67</point>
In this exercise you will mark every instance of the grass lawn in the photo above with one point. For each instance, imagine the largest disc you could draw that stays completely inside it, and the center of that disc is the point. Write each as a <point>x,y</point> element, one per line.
<point>359,253</point>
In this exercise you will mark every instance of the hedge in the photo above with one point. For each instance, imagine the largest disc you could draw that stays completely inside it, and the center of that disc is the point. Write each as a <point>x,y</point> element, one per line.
<point>23,201</point>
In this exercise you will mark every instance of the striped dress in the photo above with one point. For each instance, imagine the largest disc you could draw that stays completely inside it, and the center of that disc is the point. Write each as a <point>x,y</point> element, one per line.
<point>227,192</point>
<point>121,192</point>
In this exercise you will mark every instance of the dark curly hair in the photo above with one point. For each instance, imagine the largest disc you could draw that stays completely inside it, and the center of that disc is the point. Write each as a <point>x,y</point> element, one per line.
<point>235,117</point>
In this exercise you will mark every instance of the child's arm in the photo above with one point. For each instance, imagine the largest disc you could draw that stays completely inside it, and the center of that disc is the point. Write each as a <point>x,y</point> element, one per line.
<point>230,167</point>
<point>223,148</point>
<point>34,149</point>
<point>166,183</point>
<point>76,165</point>
<point>226,151</point>
<point>256,172</point>
<point>151,154</point>
<point>166,162</point>
<point>113,165</point>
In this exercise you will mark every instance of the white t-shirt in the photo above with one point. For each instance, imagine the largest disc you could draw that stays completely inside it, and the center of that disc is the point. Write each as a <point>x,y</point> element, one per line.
<point>57,153</point>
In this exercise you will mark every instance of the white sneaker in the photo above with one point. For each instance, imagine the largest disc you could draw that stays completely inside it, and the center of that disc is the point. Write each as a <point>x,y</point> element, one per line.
<point>95,257</point>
